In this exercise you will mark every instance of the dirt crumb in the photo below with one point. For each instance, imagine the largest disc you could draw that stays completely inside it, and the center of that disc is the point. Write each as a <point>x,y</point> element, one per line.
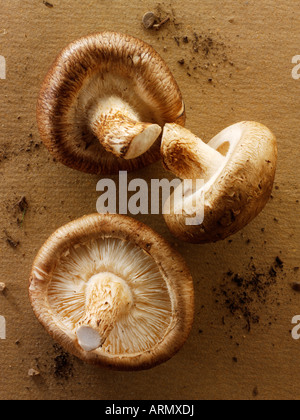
<point>279,262</point>
<point>10,241</point>
<point>22,204</point>
<point>245,295</point>
<point>63,366</point>
<point>296,286</point>
<point>206,53</point>
<point>255,392</point>
<point>33,372</point>
<point>47,4</point>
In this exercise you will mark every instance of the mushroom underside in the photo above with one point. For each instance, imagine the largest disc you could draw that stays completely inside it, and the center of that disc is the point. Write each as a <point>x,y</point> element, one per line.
<point>144,303</point>
<point>78,113</point>
<point>79,144</point>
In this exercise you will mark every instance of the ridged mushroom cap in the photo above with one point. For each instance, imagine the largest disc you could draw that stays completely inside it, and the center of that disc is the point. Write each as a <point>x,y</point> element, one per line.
<point>112,292</point>
<point>102,92</point>
<point>238,168</point>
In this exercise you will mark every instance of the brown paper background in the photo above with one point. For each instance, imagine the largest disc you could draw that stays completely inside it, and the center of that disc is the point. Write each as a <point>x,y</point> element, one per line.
<point>250,67</point>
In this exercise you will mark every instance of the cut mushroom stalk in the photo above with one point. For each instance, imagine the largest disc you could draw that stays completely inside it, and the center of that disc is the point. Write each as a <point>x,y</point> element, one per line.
<point>119,129</point>
<point>108,297</point>
<point>187,156</point>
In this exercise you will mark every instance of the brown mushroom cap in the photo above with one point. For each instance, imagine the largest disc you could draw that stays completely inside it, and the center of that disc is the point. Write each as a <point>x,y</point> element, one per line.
<point>238,168</point>
<point>106,66</point>
<point>117,269</point>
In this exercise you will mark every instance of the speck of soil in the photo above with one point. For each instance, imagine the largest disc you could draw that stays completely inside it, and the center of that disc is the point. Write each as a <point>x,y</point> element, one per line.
<point>255,392</point>
<point>63,366</point>
<point>9,150</point>
<point>11,242</point>
<point>33,372</point>
<point>296,286</point>
<point>23,204</point>
<point>279,262</point>
<point>47,4</point>
<point>176,39</point>
<point>245,295</point>
<point>206,52</point>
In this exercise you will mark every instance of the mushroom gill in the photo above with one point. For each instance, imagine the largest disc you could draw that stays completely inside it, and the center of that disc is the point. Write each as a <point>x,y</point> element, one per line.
<point>134,306</point>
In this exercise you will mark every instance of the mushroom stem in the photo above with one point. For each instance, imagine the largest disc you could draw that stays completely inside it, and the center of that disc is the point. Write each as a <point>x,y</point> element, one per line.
<point>187,156</point>
<point>107,298</point>
<point>119,129</point>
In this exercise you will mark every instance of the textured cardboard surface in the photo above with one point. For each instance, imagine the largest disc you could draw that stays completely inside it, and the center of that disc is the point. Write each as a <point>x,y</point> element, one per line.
<point>242,71</point>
